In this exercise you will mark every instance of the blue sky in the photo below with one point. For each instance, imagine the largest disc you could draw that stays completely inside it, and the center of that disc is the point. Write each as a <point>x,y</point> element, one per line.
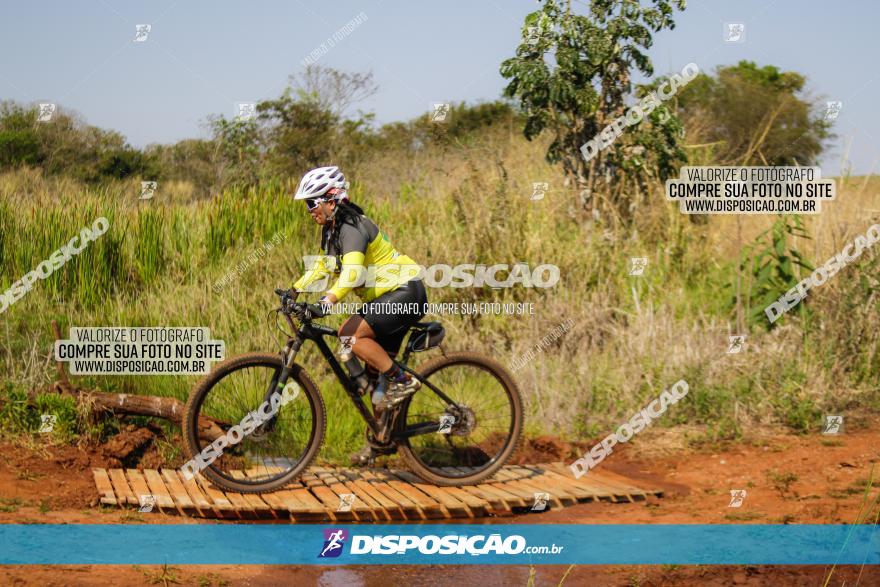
<point>203,57</point>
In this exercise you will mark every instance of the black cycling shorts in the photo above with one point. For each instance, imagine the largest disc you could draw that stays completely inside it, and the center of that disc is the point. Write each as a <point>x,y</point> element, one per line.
<point>392,314</point>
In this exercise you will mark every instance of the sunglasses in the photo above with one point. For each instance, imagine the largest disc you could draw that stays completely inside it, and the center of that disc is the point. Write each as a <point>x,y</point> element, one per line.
<point>314,203</point>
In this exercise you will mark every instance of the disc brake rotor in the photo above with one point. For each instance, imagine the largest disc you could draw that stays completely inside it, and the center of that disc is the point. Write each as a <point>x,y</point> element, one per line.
<point>465,420</point>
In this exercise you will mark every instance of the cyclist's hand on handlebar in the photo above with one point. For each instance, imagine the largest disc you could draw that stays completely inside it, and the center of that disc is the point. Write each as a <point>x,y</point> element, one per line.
<point>309,311</point>
<point>318,310</point>
<point>306,311</point>
<point>288,299</point>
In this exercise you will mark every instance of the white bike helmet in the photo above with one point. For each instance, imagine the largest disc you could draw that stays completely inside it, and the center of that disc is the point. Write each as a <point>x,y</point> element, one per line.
<point>323,181</point>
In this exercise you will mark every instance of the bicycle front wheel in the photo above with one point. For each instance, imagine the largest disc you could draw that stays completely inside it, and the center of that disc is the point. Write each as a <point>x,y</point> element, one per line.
<point>263,448</point>
<point>468,441</point>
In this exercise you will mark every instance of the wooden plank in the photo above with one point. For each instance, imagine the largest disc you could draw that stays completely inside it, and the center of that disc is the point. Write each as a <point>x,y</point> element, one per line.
<point>604,479</point>
<point>331,503</point>
<point>366,507</point>
<point>479,507</point>
<point>411,510</point>
<point>306,507</point>
<point>617,494</point>
<point>514,499</point>
<point>525,494</point>
<point>557,498</point>
<point>202,502</point>
<point>177,491</point>
<point>120,486</point>
<point>138,484</point>
<point>361,509</point>
<point>499,501</point>
<point>279,508</point>
<point>599,480</point>
<point>582,492</point>
<point>457,508</point>
<point>305,497</point>
<point>296,510</point>
<point>309,479</point>
<point>299,501</point>
<point>431,508</point>
<point>328,497</point>
<point>478,504</point>
<point>503,501</point>
<point>283,500</point>
<point>303,507</point>
<point>380,495</point>
<point>219,498</point>
<point>561,495</point>
<point>255,500</point>
<point>105,487</point>
<point>242,506</point>
<point>214,496</point>
<point>157,487</point>
<point>627,484</point>
<point>389,507</point>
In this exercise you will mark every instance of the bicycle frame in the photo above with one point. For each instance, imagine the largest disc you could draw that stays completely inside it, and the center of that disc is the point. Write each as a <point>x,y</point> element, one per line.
<point>316,334</point>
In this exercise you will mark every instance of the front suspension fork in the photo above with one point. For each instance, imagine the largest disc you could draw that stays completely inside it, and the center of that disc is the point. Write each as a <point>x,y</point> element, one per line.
<point>288,358</point>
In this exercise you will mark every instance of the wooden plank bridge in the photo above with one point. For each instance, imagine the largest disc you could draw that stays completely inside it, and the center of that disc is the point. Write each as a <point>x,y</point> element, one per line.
<point>366,495</point>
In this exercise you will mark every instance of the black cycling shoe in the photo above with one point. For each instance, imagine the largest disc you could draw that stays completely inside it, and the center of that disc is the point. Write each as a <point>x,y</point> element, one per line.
<point>400,390</point>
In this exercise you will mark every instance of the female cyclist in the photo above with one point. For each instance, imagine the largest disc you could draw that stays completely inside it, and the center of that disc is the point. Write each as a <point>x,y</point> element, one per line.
<point>363,260</point>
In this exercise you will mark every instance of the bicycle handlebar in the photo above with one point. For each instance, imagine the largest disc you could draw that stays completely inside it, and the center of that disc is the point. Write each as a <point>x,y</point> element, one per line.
<point>289,305</point>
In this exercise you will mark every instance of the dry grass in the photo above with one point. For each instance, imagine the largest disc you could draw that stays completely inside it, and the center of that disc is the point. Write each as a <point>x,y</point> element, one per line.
<point>632,337</point>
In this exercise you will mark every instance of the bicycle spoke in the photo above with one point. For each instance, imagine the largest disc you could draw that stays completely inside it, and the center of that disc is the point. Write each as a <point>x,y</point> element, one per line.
<point>271,449</point>
<point>481,431</point>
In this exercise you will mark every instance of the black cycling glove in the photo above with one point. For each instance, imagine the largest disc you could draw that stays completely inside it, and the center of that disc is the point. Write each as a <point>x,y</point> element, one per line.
<point>317,310</point>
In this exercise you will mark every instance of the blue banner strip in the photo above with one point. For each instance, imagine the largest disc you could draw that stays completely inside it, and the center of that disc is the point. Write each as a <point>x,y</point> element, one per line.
<point>519,544</point>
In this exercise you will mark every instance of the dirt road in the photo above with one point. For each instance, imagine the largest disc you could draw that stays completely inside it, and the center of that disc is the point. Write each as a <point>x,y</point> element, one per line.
<point>787,479</point>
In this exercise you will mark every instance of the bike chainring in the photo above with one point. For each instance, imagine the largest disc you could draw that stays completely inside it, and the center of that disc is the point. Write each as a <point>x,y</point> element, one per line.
<point>386,448</point>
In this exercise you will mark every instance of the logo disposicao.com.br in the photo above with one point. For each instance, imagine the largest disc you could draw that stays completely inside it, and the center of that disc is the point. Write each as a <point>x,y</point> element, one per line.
<point>335,540</point>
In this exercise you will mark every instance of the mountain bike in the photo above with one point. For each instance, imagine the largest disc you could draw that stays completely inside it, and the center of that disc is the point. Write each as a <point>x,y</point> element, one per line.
<point>459,428</point>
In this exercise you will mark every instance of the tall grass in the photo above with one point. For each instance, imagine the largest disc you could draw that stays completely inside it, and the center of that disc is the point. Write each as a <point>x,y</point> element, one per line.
<point>632,336</point>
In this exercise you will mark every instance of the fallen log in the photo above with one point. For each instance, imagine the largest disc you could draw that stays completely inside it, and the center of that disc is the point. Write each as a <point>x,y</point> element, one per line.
<point>99,402</point>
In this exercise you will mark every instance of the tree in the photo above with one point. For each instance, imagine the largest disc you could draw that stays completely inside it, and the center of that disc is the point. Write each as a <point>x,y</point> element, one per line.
<point>571,75</point>
<point>750,115</point>
<point>191,160</point>
<point>66,145</point>
<point>299,131</point>
<point>334,90</point>
<point>239,146</point>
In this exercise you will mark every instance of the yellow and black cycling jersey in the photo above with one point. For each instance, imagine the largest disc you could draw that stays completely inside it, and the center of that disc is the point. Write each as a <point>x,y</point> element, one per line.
<point>362,259</point>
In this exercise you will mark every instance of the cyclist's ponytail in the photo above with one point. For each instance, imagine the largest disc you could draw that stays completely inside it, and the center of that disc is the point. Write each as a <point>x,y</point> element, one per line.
<point>345,212</point>
<point>348,210</point>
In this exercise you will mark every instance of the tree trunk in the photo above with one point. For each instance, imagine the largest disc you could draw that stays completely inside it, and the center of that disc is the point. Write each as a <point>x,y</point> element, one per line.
<point>169,408</point>
<point>99,402</point>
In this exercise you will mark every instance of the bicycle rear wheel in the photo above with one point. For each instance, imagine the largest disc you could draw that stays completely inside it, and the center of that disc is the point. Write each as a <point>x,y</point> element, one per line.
<point>462,445</point>
<point>267,456</point>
